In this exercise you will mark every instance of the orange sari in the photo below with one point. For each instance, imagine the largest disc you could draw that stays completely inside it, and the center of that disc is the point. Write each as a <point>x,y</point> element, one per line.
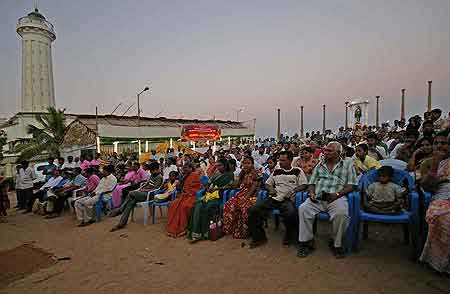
<point>180,208</point>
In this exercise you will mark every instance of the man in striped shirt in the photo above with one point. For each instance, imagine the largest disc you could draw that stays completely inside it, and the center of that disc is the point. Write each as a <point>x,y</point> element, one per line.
<point>282,185</point>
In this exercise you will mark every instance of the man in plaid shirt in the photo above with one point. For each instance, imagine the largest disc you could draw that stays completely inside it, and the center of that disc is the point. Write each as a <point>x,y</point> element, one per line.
<point>332,179</point>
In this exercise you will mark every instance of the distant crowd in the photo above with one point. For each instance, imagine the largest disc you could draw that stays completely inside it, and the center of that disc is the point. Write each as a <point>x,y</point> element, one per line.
<point>236,189</point>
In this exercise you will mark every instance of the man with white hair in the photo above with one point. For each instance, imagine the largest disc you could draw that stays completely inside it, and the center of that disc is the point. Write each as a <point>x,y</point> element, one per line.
<point>332,179</point>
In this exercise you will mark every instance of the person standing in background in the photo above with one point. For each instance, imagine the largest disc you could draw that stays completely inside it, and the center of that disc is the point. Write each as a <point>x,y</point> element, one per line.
<point>4,200</point>
<point>18,180</point>
<point>27,176</point>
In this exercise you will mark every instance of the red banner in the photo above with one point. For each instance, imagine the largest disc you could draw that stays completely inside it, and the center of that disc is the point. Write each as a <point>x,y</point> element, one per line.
<point>198,133</point>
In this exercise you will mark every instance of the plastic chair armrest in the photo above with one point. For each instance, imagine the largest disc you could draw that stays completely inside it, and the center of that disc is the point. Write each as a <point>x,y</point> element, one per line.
<point>414,198</point>
<point>298,199</point>
<point>225,195</point>
<point>262,195</point>
<point>427,198</point>
<point>174,195</point>
<point>199,194</point>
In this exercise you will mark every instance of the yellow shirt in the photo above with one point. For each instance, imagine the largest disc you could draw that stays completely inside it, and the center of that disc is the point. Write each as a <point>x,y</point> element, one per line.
<point>368,164</point>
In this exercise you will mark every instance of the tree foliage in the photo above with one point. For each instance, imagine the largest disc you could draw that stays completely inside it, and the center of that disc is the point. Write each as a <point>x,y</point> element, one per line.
<point>47,135</point>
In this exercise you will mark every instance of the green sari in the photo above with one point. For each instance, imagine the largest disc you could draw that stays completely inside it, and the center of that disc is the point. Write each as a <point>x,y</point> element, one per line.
<point>203,211</point>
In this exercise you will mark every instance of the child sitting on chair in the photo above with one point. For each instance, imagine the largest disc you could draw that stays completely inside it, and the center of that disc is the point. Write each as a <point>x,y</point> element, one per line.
<point>384,196</point>
<point>170,185</point>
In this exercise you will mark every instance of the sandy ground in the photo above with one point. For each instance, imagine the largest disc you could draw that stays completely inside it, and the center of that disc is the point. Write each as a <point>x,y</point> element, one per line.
<point>142,259</point>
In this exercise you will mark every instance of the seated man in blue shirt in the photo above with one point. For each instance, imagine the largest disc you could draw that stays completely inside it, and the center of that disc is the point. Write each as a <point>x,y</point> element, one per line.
<point>41,194</point>
<point>60,194</point>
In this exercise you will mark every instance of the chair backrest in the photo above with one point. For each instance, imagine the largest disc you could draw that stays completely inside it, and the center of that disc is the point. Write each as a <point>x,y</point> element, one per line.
<point>204,180</point>
<point>395,163</point>
<point>401,177</point>
<point>174,195</point>
<point>262,194</point>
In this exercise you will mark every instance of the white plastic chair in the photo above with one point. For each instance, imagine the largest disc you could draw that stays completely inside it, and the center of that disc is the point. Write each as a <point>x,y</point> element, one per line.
<point>74,197</point>
<point>145,205</point>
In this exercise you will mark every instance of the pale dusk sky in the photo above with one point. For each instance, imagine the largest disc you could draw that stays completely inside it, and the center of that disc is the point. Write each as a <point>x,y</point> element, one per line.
<point>210,58</point>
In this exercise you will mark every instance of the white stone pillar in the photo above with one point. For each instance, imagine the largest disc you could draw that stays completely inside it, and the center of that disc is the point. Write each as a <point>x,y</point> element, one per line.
<point>366,113</point>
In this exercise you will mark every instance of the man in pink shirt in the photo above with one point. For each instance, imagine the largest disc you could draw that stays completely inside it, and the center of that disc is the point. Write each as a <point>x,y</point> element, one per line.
<point>92,180</point>
<point>141,176</point>
<point>85,163</point>
<point>142,173</point>
<point>95,163</point>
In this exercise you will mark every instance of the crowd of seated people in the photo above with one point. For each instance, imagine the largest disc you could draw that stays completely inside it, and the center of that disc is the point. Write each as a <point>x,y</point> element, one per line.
<point>325,166</point>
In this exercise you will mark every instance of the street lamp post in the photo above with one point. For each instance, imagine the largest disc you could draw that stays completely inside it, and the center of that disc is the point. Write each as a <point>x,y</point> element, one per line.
<point>139,105</point>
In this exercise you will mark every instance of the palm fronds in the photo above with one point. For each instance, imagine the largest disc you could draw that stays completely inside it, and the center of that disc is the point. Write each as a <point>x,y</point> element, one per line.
<point>47,135</point>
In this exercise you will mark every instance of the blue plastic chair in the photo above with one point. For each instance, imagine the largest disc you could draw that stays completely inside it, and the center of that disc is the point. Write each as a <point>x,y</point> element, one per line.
<point>154,204</point>
<point>204,180</point>
<point>146,204</point>
<point>100,204</point>
<point>262,195</point>
<point>324,216</point>
<point>408,218</point>
<point>199,194</point>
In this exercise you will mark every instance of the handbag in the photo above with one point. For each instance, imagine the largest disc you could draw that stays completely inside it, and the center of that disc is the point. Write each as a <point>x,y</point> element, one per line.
<point>215,228</point>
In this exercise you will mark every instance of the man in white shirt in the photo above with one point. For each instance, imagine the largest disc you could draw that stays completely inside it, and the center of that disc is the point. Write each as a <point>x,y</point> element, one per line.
<point>42,192</point>
<point>282,186</point>
<point>70,164</point>
<point>261,157</point>
<point>77,162</point>
<point>171,166</point>
<point>24,184</point>
<point>375,151</point>
<point>84,207</point>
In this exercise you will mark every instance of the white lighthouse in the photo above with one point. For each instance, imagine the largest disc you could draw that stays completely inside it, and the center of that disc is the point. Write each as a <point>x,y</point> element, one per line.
<point>37,35</point>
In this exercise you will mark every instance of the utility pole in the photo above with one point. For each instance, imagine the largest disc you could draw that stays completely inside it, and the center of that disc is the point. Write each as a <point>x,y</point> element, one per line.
<point>346,114</point>
<point>278,126</point>
<point>323,122</point>
<point>377,122</point>
<point>402,108</point>
<point>301,122</point>
<point>429,96</point>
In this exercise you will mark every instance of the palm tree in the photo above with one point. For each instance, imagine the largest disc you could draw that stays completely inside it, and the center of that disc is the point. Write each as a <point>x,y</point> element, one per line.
<point>48,137</point>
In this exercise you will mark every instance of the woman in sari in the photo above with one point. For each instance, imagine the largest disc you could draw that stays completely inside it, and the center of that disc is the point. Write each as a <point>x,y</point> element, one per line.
<point>306,161</point>
<point>211,168</point>
<point>206,207</point>
<point>180,208</point>
<point>437,247</point>
<point>235,216</point>
<point>362,162</point>
<point>423,151</point>
<point>129,178</point>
